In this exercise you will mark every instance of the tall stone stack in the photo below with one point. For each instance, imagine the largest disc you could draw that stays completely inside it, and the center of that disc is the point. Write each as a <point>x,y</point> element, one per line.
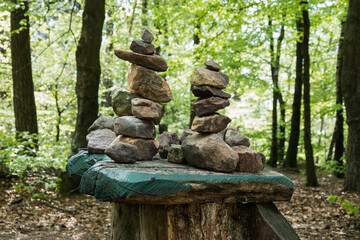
<point>131,135</point>
<point>212,145</point>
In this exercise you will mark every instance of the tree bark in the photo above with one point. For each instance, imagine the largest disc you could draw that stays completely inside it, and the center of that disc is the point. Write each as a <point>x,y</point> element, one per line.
<point>291,154</point>
<point>144,10</point>
<point>311,179</point>
<point>350,86</point>
<point>192,99</point>
<point>275,68</point>
<point>282,128</point>
<point>88,70</point>
<point>339,123</point>
<point>23,86</point>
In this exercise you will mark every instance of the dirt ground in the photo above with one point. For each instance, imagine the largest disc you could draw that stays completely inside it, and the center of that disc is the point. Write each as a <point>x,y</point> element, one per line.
<point>83,217</point>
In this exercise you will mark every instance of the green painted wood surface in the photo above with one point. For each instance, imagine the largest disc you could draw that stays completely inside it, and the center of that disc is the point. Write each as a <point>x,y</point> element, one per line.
<point>110,181</point>
<point>78,164</point>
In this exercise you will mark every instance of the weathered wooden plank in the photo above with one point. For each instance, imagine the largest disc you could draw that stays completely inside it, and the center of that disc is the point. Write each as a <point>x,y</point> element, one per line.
<point>160,182</point>
<point>78,164</point>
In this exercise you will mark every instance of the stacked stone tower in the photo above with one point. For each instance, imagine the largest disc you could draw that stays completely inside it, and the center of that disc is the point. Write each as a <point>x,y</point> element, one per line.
<point>131,135</point>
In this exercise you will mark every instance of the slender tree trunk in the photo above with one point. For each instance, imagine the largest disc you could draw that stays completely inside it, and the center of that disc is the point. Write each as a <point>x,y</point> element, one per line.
<point>350,86</point>
<point>275,68</point>
<point>339,123</point>
<point>23,86</point>
<point>144,10</point>
<point>282,128</point>
<point>196,39</point>
<point>88,70</point>
<point>291,154</point>
<point>311,179</point>
<point>331,148</point>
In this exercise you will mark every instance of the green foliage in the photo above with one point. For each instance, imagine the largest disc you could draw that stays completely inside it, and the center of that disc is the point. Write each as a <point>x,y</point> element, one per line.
<point>350,208</point>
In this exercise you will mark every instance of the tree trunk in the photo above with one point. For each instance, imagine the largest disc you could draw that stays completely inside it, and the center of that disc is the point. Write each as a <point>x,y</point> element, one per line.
<point>350,86</point>
<point>339,123</point>
<point>291,154</point>
<point>192,99</point>
<point>311,179</point>
<point>144,11</point>
<point>23,86</point>
<point>282,128</point>
<point>88,70</point>
<point>275,67</point>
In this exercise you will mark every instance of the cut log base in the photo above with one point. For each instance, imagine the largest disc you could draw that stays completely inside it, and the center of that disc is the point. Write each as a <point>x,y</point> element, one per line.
<point>199,221</point>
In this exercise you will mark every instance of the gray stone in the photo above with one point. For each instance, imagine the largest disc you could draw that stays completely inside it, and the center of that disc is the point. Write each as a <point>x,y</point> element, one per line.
<point>146,148</point>
<point>141,47</point>
<point>207,91</point>
<point>210,124</point>
<point>154,62</point>
<point>249,160</point>
<point>209,105</point>
<point>147,36</point>
<point>222,132</point>
<point>233,138</point>
<point>99,139</point>
<point>206,77</point>
<point>175,154</point>
<point>121,101</point>
<point>210,152</point>
<point>134,127</point>
<point>147,109</point>
<point>186,132</point>
<point>103,122</point>
<point>122,152</point>
<point>212,65</point>
<point>166,139</point>
<point>148,84</point>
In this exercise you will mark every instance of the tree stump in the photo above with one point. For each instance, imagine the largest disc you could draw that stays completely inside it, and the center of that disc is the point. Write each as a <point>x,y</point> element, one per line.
<point>160,200</point>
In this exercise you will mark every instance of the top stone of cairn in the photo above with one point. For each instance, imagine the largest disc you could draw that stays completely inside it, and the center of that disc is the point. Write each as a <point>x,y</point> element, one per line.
<point>147,36</point>
<point>212,65</point>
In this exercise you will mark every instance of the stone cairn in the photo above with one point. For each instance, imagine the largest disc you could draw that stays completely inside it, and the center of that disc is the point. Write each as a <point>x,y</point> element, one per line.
<point>210,144</point>
<point>131,135</point>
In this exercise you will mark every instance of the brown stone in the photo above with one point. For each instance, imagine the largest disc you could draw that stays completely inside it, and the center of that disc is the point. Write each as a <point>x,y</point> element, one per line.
<point>212,65</point>
<point>186,133</point>
<point>210,124</point>
<point>233,138</point>
<point>148,84</point>
<point>122,152</point>
<point>147,109</point>
<point>146,148</point>
<point>210,152</point>
<point>134,127</point>
<point>203,76</point>
<point>207,91</point>
<point>154,62</point>
<point>142,47</point>
<point>209,105</point>
<point>249,160</point>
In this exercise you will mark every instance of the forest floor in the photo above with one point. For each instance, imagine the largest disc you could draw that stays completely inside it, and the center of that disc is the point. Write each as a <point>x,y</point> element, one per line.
<point>83,217</point>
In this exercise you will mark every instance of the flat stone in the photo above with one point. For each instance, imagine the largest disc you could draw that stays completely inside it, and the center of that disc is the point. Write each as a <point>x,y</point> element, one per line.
<point>103,122</point>
<point>121,101</point>
<point>175,154</point>
<point>233,138</point>
<point>210,124</point>
<point>209,105</point>
<point>154,62</point>
<point>142,47</point>
<point>134,127</point>
<point>161,182</point>
<point>166,139</point>
<point>147,148</point>
<point>206,77</point>
<point>207,91</point>
<point>212,65</point>
<point>147,36</point>
<point>186,132</point>
<point>99,139</point>
<point>209,151</point>
<point>249,160</point>
<point>147,109</point>
<point>122,152</point>
<point>148,84</point>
